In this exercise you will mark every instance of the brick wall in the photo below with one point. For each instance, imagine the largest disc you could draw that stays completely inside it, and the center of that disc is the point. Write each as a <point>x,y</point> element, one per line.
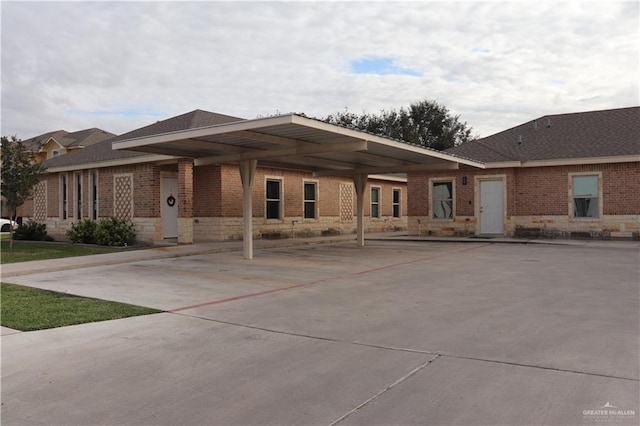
<point>218,195</point>
<point>537,198</point>
<point>207,184</point>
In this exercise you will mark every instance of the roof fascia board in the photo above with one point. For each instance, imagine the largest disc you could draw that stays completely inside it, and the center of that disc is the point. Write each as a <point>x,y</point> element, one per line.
<point>388,178</point>
<point>390,169</point>
<point>580,161</point>
<point>203,131</point>
<point>503,164</point>
<point>564,162</point>
<point>282,153</point>
<point>320,125</point>
<point>111,163</point>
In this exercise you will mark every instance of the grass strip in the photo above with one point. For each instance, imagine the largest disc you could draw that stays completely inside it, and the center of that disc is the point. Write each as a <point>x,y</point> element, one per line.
<point>26,309</point>
<point>25,251</point>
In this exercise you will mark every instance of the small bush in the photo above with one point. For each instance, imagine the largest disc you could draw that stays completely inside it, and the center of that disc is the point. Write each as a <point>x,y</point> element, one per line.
<point>31,231</point>
<point>114,232</point>
<point>84,231</point>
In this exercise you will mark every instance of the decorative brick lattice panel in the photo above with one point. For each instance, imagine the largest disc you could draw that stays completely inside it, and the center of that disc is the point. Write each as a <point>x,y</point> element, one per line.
<point>40,202</point>
<point>346,202</point>
<point>123,197</point>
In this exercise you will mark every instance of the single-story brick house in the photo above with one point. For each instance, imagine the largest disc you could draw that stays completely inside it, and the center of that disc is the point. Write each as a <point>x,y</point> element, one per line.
<point>566,175</point>
<point>153,190</point>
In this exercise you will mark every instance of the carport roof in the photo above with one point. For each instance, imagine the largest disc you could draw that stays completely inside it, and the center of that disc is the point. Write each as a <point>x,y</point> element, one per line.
<point>294,141</point>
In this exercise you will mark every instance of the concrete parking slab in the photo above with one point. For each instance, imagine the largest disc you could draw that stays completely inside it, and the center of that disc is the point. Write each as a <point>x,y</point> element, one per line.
<point>171,369</point>
<point>430,333</point>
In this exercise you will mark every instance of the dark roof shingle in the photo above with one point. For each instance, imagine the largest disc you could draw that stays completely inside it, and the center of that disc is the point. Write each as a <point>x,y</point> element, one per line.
<point>606,133</point>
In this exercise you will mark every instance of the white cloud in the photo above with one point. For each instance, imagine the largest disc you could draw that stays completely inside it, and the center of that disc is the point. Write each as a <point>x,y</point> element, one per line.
<point>65,65</point>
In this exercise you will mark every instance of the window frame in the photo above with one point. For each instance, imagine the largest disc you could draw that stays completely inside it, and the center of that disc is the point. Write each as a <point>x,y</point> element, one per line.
<point>78,186</point>
<point>279,200</point>
<point>432,201</point>
<point>376,203</point>
<point>396,205</point>
<point>571,197</point>
<point>64,196</point>
<point>93,194</point>
<point>306,201</point>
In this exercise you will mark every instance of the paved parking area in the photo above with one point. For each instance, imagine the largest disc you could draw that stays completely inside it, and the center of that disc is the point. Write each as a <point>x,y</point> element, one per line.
<point>395,333</point>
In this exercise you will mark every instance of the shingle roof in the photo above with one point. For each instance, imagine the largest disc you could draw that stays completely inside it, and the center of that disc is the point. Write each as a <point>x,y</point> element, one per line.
<point>102,151</point>
<point>81,138</point>
<point>191,120</point>
<point>605,133</point>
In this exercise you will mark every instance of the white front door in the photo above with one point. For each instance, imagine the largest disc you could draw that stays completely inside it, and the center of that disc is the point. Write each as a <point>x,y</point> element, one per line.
<point>491,207</point>
<point>169,206</point>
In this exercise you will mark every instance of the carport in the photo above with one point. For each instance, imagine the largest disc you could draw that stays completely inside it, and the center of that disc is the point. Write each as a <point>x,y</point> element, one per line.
<point>291,142</point>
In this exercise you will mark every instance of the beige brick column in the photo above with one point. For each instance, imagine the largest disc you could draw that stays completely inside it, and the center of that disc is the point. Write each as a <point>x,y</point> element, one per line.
<point>185,201</point>
<point>360,183</point>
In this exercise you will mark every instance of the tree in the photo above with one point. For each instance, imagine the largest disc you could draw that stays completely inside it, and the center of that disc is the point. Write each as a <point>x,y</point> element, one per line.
<point>425,123</point>
<point>19,175</point>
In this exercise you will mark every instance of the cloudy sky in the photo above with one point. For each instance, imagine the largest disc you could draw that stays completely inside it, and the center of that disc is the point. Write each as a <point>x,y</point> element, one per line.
<point>122,65</point>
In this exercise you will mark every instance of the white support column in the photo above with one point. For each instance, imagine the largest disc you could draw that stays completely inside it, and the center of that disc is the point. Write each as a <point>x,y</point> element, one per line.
<point>360,182</point>
<point>247,173</point>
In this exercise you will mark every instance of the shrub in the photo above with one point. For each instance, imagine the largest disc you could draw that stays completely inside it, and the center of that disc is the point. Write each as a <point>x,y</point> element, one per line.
<point>114,232</point>
<point>83,231</point>
<point>32,231</point>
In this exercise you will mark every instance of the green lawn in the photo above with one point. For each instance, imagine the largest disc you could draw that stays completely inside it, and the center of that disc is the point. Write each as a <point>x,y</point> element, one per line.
<point>26,309</point>
<point>24,251</point>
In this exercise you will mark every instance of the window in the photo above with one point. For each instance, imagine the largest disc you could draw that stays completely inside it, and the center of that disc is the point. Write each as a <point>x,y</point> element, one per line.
<point>442,200</point>
<point>274,198</point>
<point>55,153</point>
<point>396,202</point>
<point>310,191</point>
<point>94,195</point>
<point>585,196</point>
<point>375,202</point>
<point>64,196</point>
<point>78,195</point>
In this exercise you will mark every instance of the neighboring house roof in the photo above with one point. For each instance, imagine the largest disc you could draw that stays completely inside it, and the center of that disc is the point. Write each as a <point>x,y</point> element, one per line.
<point>79,139</point>
<point>102,151</point>
<point>606,133</point>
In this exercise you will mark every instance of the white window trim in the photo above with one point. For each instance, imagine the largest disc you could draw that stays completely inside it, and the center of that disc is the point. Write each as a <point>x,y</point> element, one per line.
<point>280,218</point>
<point>443,179</point>
<point>379,202</point>
<point>316,209</point>
<point>393,190</point>
<point>600,200</point>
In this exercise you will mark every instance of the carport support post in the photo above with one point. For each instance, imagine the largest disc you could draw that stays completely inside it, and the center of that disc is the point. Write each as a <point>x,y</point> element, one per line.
<point>247,172</point>
<point>360,182</point>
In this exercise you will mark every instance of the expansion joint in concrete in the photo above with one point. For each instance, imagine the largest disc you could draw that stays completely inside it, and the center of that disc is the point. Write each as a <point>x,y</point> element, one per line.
<point>540,367</point>
<point>383,391</point>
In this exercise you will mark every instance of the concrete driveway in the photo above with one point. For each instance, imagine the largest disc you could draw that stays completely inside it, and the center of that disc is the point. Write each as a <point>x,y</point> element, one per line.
<point>401,333</point>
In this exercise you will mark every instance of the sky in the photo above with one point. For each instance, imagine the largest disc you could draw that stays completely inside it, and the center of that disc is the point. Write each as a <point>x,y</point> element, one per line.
<point>123,65</point>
